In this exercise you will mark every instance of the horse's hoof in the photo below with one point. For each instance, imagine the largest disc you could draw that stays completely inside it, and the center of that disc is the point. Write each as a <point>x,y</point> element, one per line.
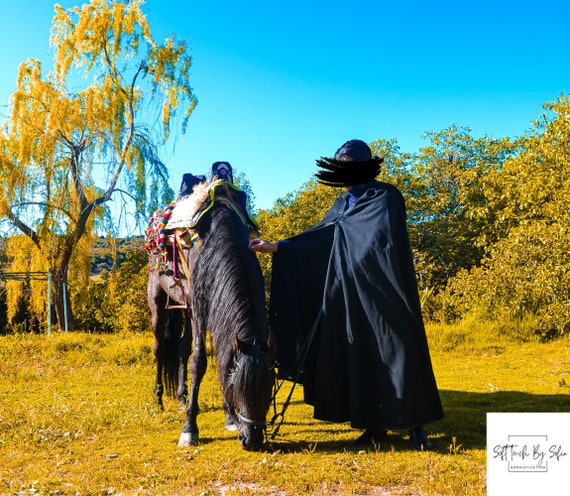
<point>230,426</point>
<point>230,423</point>
<point>188,439</point>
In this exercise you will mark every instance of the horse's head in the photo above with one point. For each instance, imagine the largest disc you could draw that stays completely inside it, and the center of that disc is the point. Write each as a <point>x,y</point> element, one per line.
<point>251,388</point>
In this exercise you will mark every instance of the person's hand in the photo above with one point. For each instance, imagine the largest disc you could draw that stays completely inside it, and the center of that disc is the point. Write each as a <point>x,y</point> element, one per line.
<point>262,246</point>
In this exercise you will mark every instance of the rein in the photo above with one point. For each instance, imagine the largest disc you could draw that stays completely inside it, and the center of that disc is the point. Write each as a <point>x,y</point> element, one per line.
<point>304,351</point>
<point>238,418</point>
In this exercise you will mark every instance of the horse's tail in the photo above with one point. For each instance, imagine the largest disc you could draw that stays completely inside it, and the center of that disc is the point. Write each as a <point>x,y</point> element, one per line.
<point>172,355</point>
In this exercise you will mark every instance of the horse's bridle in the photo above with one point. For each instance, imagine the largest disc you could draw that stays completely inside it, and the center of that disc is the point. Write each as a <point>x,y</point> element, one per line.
<point>238,417</point>
<point>256,424</point>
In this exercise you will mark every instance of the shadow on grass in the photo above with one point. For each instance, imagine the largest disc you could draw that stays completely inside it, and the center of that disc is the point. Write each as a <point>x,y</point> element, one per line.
<point>466,412</point>
<point>465,421</point>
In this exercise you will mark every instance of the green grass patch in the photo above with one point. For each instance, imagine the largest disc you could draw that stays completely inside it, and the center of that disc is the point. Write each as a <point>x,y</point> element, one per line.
<point>78,417</point>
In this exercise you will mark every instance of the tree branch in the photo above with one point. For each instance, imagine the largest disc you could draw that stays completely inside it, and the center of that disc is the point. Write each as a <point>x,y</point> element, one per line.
<point>22,226</point>
<point>45,204</point>
<point>131,133</point>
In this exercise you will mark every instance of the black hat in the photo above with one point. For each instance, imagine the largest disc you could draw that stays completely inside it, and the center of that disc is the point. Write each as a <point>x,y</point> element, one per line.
<point>188,182</point>
<point>222,171</point>
<point>353,164</point>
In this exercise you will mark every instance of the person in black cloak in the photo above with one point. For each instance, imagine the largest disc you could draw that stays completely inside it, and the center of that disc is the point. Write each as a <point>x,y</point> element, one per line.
<point>345,308</point>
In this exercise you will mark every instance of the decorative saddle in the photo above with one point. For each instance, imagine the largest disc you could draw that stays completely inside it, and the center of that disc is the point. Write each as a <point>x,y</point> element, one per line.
<point>177,222</point>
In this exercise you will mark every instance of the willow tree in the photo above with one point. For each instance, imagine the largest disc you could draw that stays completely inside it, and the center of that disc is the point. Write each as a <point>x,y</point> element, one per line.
<point>90,129</point>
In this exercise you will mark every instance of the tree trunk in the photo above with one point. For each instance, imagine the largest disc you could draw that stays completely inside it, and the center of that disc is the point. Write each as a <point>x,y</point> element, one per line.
<point>62,304</point>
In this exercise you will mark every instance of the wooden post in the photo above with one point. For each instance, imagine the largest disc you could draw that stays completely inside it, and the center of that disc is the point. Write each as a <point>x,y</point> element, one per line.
<point>65,304</point>
<point>49,303</point>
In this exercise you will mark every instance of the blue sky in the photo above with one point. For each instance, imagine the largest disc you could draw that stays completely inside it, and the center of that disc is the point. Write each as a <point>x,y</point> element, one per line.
<point>280,84</point>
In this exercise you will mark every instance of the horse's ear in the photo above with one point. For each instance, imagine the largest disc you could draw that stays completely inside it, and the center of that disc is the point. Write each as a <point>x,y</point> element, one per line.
<point>272,342</point>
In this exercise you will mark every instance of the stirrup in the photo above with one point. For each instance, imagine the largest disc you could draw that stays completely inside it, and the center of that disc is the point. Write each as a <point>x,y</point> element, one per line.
<point>175,306</point>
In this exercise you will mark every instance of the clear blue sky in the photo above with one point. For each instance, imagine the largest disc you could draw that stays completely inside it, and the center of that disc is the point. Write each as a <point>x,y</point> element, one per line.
<point>280,84</point>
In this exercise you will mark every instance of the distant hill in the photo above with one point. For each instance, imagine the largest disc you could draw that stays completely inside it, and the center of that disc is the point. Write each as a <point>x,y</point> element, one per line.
<point>102,252</point>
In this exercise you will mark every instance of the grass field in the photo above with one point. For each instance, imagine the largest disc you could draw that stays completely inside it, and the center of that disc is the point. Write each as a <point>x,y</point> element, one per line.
<point>77,417</point>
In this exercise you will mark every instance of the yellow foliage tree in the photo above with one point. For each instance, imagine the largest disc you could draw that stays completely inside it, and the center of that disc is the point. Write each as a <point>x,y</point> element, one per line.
<point>21,291</point>
<point>64,153</point>
<point>526,271</point>
<point>450,215</point>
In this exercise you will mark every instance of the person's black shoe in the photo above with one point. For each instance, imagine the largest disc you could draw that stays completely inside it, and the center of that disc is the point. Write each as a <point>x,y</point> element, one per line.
<point>419,437</point>
<point>371,435</point>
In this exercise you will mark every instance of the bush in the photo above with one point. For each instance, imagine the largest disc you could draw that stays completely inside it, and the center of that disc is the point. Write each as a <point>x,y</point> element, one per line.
<point>97,313</point>
<point>526,278</point>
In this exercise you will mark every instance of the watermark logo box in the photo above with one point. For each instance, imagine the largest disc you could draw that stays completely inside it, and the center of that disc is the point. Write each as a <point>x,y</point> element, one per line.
<point>528,453</point>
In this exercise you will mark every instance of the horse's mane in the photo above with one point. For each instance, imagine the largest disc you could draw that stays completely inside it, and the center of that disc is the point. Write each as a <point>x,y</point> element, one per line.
<point>202,259</point>
<point>228,287</point>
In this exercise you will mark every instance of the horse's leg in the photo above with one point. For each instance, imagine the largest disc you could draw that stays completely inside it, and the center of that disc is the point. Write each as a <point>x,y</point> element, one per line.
<point>185,348</point>
<point>158,325</point>
<point>157,302</point>
<point>187,336</point>
<point>198,362</point>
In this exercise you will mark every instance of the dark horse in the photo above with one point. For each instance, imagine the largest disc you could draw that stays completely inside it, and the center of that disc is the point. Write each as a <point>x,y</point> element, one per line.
<point>219,281</point>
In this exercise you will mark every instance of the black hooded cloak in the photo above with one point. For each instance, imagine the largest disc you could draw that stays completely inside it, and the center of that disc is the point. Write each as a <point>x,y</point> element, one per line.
<point>351,280</point>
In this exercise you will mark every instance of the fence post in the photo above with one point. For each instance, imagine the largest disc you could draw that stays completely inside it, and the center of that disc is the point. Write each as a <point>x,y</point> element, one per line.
<point>49,303</point>
<point>65,304</point>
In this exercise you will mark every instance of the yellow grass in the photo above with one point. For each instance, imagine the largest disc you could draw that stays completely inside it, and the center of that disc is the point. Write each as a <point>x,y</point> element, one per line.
<point>77,417</point>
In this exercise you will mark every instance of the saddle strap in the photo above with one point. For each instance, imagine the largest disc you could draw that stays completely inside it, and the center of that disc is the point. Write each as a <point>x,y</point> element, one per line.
<point>182,256</point>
